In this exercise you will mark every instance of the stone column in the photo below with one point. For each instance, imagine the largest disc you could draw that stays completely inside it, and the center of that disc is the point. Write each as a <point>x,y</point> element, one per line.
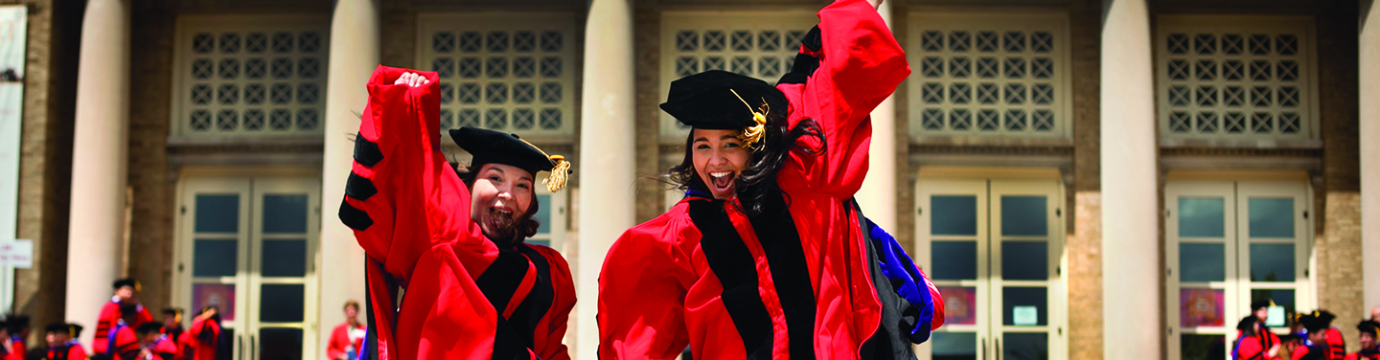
<point>354,54</point>
<point>99,162</point>
<point>1129,186</point>
<point>607,155</point>
<point>878,194</point>
<point>1370,156</point>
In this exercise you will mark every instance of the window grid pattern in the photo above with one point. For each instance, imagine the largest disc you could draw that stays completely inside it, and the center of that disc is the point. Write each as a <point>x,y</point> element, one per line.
<point>761,45</point>
<point>988,77</point>
<point>252,81</point>
<point>1234,82</point>
<point>516,74</point>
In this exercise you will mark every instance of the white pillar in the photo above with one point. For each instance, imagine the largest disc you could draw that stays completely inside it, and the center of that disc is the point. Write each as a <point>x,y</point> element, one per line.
<point>1129,186</point>
<point>354,54</point>
<point>878,194</point>
<point>99,162</point>
<point>1370,157</point>
<point>607,155</point>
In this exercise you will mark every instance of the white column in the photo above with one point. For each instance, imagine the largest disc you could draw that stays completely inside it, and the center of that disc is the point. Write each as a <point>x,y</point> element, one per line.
<point>99,161</point>
<point>1129,183</point>
<point>354,54</point>
<point>1370,157</point>
<point>878,194</point>
<point>607,154</point>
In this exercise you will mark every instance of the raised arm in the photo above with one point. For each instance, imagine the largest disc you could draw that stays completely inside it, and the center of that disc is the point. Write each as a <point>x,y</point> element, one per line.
<point>403,197</point>
<point>847,66</point>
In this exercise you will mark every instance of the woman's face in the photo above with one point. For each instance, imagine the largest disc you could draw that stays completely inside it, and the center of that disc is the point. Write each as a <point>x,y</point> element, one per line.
<point>499,198</point>
<point>719,158</point>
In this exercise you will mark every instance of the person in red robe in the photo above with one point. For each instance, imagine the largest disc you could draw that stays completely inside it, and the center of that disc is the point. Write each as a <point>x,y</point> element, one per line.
<point>1369,331</point>
<point>172,324</point>
<point>62,342</point>
<point>126,292</point>
<point>453,241</point>
<point>768,256</point>
<point>201,341</point>
<point>1254,341</point>
<point>16,330</point>
<point>124,342</point>
<point>347,337</point>
<point>154,344</point>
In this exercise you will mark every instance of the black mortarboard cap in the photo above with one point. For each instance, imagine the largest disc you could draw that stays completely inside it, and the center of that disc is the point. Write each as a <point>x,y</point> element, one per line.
<point>705,101</point>
<point>1260,304</point>
<point>1247,323</point>
<point>56,328</point>
<point>493,147</point>
<point>75,329</point>
<point>126,282</point>
<point>17,323</point>
<point>1369,327</point>
<point>148,328</point>
<point>1314,323</point>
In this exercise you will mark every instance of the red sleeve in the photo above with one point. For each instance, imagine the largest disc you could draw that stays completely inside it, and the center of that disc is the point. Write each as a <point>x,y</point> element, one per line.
<point>165,349</point>
<point>340,338</point>
<point>547,338</point>
<point>126,344</point>
<point>403,197</point>
<point>109,313</point>
<point>642,289</point>
<point>860,65</point>
<point>76,352</point>
<point>143,317</point>
<point>1336,344</point>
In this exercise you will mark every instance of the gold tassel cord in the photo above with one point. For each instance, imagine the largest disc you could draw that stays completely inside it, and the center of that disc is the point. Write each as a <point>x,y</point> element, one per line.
<point>752,135</point>
<point>560,170</point>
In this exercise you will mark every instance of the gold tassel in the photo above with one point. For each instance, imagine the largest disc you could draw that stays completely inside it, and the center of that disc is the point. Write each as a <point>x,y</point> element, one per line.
<point>752,135</point>
<point>555,181</point>
<point>560,170</point>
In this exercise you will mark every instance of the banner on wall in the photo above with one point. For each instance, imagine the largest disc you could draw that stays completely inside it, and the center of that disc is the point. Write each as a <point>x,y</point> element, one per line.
<point>13,42</point>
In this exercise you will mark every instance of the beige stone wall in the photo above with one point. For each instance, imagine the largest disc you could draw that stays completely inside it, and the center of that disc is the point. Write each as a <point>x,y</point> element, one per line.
<point>1084,238</point>
<point>46,158</point>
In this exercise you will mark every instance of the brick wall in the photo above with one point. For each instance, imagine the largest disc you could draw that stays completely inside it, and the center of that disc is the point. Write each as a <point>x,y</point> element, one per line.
<point>1338,246</point>
<point>1084,246</point>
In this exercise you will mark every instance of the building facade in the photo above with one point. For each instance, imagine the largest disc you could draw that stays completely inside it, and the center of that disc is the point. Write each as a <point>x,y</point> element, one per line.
<point>1082,179</point>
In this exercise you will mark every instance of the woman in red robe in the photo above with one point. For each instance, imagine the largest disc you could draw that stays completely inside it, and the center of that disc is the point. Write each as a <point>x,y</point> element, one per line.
<point>767,256</point>
<point>474,289</point>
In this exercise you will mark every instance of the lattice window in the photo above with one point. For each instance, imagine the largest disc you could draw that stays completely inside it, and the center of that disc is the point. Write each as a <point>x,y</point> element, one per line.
<point>988,75</point>
<point>757,44</point>
<point>242,77</point>
<point>1229,78</point>
<point>510,73</point>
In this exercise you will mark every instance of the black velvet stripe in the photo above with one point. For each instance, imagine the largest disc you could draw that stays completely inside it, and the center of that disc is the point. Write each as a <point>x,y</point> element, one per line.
<point>889,341</point>
<point>367,152</point>
<point>732,263</point>
<point>354,218</point>
<point>786,258</point>
<point>501,279</point>
<point>371,336</point>
<point>538,302</point>
<point>813,40</point>
<point>359,187</point>
<point>507,345</point>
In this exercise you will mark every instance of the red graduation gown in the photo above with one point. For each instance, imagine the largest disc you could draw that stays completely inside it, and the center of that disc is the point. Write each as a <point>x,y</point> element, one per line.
<point>662,288</point>
<point>340,341</point>
<point>200,341</point>
<point>125,344</point>
<point>110,313</point>
<point>70,351</point>
<point>164,348</point>
<point>1336,345</point>
<point>466,298</point>
<point>20,351</point>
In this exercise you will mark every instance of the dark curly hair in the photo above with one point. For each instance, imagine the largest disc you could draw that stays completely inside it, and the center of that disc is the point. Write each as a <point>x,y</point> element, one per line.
<point>758,180</point>
<point>527,226</point>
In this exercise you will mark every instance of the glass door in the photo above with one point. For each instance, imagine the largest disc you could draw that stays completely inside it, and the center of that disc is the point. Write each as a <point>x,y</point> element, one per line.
<point>1229,244</point>
<point>246,246</point>
<point>995,248</point>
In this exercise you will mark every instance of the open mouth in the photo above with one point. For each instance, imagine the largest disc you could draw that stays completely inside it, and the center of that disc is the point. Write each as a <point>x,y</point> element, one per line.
<point>721,181</point>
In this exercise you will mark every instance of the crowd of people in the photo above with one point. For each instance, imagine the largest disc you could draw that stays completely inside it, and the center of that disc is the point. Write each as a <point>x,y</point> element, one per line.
<point>1311,336</point>
<point>125,330</point>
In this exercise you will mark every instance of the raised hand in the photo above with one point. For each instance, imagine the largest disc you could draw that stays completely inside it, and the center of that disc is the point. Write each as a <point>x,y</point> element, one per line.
<point>412,80</point>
